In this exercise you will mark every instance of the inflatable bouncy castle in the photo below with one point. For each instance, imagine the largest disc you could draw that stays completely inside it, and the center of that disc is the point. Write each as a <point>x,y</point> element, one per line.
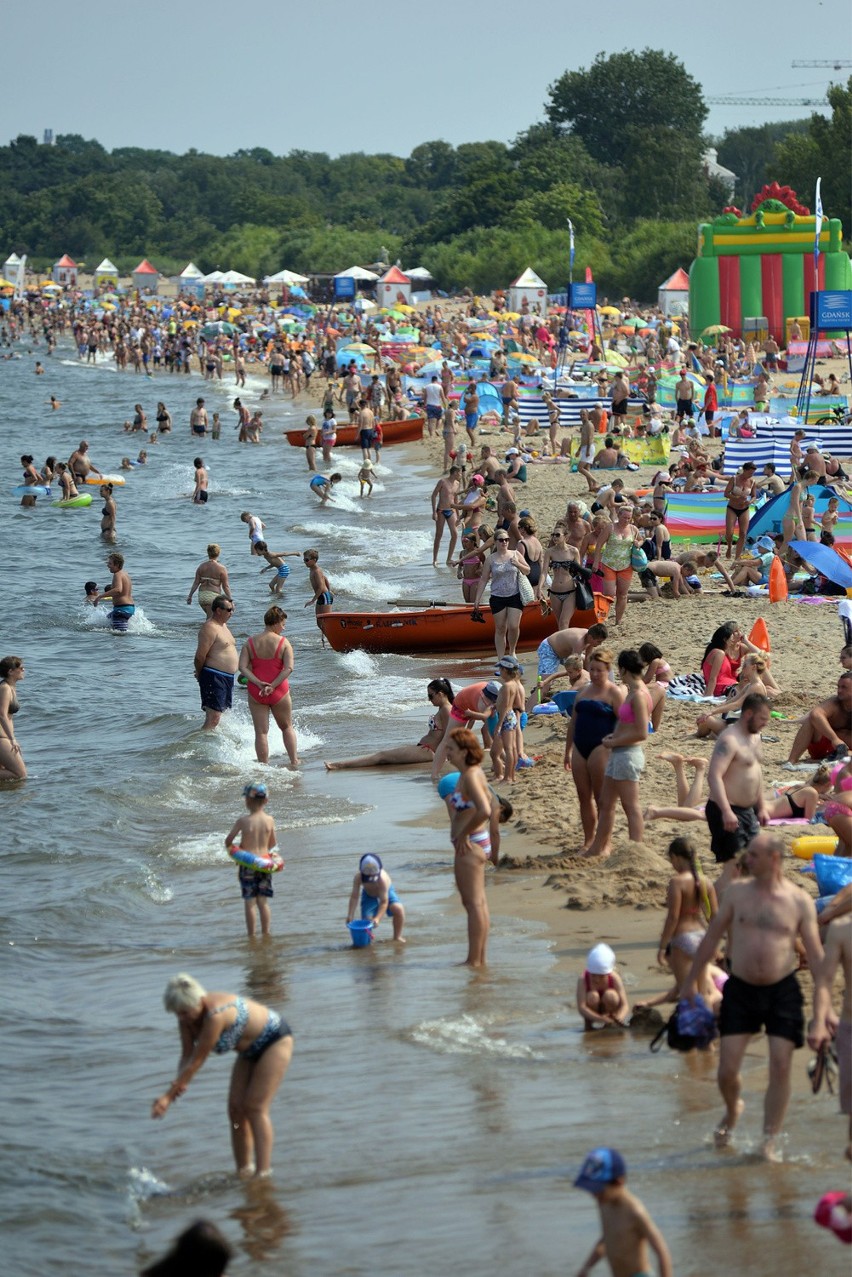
<point>761,266</point>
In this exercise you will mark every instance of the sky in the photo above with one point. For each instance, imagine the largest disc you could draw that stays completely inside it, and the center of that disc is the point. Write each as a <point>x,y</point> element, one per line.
<point>365,75</point>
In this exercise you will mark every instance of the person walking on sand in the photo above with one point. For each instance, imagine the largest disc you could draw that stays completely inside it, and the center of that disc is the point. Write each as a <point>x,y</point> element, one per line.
<point>628,1230</point>
<point>762,917</point>
<point>216,662</point>
<point>735,809</point>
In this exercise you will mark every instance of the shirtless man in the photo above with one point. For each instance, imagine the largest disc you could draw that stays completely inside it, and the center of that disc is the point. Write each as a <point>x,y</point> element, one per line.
<point>815,461</point>
<point>826,732</point>
<point>552,419</point>
<point>243,419</point>
<point>576,527</point>
<point>771,481</point>
<point>199,496</point>
<point>586,454</point>
<point>619,392</point>
<point>684,395</point>
<point>763,917</point>
<point>198,419</point>
<point>553,652</point>
<point>739,494</point>
<point>216,662</point>
<point>825,1025</point>
<point>735,809</point>
<point>81,463</point>
<point>352,392</point>
<point>488,464</point>
<point>444,495</point>
<point>509,396</point>
<point>121,593</point>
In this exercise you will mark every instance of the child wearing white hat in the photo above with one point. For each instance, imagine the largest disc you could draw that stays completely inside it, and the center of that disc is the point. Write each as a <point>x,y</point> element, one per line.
<point>601,996</point>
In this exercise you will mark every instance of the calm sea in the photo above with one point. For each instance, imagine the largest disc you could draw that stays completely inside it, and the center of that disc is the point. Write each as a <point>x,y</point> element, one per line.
<point>431,1120</point>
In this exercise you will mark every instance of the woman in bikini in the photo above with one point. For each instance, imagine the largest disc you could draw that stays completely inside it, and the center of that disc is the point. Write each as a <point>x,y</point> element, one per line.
<point>627,758</point>
<point>739,494</point>
<point>312,432</point>
<point>691,903</point>
<point>556,563</point>
<point>593,719</point>
<point>210,580</point>
<point>12,766</point>
<point>470,566</point>
<point>266,663</point>
<point>441,697</point>
<point>838,810</point>
<point>222,1022</point>
<point>507,745</point>
<point>469,834</point>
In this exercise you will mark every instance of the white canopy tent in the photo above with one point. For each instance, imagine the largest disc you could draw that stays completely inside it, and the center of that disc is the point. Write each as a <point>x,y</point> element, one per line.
<point>106,274</point>
<point>288,277</point>
<point>215,277</point>
<point>235,277</point>
<point>419,272</point>
<point>358,272</point>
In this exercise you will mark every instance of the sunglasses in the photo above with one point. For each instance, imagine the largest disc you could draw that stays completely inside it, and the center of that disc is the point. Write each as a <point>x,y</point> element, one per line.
<point>502,540</point>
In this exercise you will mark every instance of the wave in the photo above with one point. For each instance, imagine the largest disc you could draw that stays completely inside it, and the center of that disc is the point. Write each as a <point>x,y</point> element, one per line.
<point>466,1036</point>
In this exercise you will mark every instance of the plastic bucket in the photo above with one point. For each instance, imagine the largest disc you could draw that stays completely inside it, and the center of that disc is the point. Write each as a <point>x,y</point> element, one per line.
<point>361,933</point>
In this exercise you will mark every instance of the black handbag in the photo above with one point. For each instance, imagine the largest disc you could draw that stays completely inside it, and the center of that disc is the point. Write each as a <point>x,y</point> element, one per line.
<point>584,599</point>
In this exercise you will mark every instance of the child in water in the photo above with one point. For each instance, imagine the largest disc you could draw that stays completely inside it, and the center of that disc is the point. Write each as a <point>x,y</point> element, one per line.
<point>322,596</point>
<point>365,478</point>
<point>628,1230</point>
<point>256,833</point>
<point>601,996</point>
<point>373,886</point>
<point>275,560</point>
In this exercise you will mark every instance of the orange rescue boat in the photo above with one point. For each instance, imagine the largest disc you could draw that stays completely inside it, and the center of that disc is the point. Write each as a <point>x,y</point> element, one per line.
<point>407,431</point>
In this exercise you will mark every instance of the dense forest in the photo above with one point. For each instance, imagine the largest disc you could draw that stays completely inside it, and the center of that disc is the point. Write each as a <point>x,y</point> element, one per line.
<point>619,151</point>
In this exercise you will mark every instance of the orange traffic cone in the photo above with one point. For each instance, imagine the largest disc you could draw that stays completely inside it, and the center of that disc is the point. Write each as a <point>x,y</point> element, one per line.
<point>778,591</point>
<point>759,635</point>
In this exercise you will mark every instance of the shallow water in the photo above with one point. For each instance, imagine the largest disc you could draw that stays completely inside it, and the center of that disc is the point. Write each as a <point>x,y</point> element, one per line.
<point>430,1119</point>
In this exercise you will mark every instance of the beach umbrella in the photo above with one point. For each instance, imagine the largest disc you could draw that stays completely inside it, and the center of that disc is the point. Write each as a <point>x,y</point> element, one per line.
<point>359,347</point>
<point>634,322</point>
<point>714,330</point>
<point>406,309</point>
<point>520,357</point>
<point>51,288</point>
<point>608,310</point>
<point>218,329</point>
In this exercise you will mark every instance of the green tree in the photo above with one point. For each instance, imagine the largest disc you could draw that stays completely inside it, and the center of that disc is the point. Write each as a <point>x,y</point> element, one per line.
<point>552,209</point>
<point>642,113</point>
<point>748,153</point>
<point>822,151</point>
<point>647,255</point>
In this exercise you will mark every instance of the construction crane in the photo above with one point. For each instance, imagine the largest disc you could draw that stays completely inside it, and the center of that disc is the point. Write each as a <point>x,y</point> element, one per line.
<point>835,64</point>
<point>733,101</point>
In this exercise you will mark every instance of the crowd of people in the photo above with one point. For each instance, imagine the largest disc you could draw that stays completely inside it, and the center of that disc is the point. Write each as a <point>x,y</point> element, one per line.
<point>736,942</point>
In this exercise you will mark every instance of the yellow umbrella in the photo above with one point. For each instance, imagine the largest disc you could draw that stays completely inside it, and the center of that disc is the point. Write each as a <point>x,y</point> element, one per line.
<point>361,347</point>
<point>51,288</point>
<point>615,359</point>
<point>608,310</point>
<point>523,358</point>
<point>4,283</point>
<point>409,310</point>
<point>107,306</point>
<point>511,314</point>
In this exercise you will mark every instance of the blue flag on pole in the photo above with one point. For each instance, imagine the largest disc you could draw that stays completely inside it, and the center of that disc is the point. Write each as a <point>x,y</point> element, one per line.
<point>817,223</point>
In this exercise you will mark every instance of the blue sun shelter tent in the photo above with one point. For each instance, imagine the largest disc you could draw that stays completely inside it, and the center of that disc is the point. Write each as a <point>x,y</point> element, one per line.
<point>767,520</point>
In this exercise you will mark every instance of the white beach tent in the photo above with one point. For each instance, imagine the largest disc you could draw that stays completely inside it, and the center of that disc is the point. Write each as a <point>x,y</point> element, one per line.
<point>190,280</point>
<point>215,277</point>
<point>234,277</point>
<point>528,288</point>
<point>419,273</point>
<point>358,272</point>
<point>288,277</point>
<point>673,294</point>
<point>106,274</point>
<point>394,287</point>
<point>9,269</point>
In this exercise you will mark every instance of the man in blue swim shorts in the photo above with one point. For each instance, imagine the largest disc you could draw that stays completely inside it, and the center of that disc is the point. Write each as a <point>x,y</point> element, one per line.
<point>216,662</point>
<point>121,593</point>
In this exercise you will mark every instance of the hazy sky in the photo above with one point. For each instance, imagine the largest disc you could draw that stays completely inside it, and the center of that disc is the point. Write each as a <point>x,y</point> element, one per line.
<point>353,75</point>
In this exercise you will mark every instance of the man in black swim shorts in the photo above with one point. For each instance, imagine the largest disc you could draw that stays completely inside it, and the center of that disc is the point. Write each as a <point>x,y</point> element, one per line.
<point>735,809</point>
<point>763,918</point>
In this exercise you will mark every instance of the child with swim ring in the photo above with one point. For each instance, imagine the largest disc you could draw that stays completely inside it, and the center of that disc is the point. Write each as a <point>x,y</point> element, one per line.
<point>255,832</point>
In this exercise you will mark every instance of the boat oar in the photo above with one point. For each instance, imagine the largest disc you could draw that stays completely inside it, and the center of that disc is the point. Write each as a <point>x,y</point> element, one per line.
<point>416,603</point>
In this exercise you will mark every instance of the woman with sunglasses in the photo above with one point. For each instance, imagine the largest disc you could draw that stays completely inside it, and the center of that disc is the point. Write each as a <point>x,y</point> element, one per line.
<point>557,561</point>
<point>503,571</point>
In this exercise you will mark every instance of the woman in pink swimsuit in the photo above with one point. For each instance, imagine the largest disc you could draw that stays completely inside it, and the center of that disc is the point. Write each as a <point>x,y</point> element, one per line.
<point>266,663</point>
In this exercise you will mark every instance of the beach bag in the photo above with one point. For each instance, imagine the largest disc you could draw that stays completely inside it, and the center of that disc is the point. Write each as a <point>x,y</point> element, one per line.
<point>584,599</point>
<point>691,1027</point>
<point>525,590</point>
<point>638,559</point>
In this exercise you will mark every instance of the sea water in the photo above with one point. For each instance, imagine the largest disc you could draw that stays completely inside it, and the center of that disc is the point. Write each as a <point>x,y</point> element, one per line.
<point>432,1119</point>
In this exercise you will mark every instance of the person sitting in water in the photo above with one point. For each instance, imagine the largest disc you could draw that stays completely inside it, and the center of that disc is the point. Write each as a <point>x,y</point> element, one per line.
<point>322,485</point>
<point>601,996</point>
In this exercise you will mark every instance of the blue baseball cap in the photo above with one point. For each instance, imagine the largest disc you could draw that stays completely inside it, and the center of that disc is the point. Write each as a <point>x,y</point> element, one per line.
<point>602,1166</point>
<point>447,783</point>
<point>255,791</point>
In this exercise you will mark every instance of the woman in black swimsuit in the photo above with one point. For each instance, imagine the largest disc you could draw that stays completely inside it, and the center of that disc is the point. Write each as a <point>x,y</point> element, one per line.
<point>594,717</point>
<point>12,766</point>
<point>800,801</point>
<point>531,548</point>
<point>556,563</point>
<point>164,420</point>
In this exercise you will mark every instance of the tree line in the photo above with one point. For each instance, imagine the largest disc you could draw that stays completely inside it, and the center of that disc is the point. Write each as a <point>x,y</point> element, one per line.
<point>618,151</point>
